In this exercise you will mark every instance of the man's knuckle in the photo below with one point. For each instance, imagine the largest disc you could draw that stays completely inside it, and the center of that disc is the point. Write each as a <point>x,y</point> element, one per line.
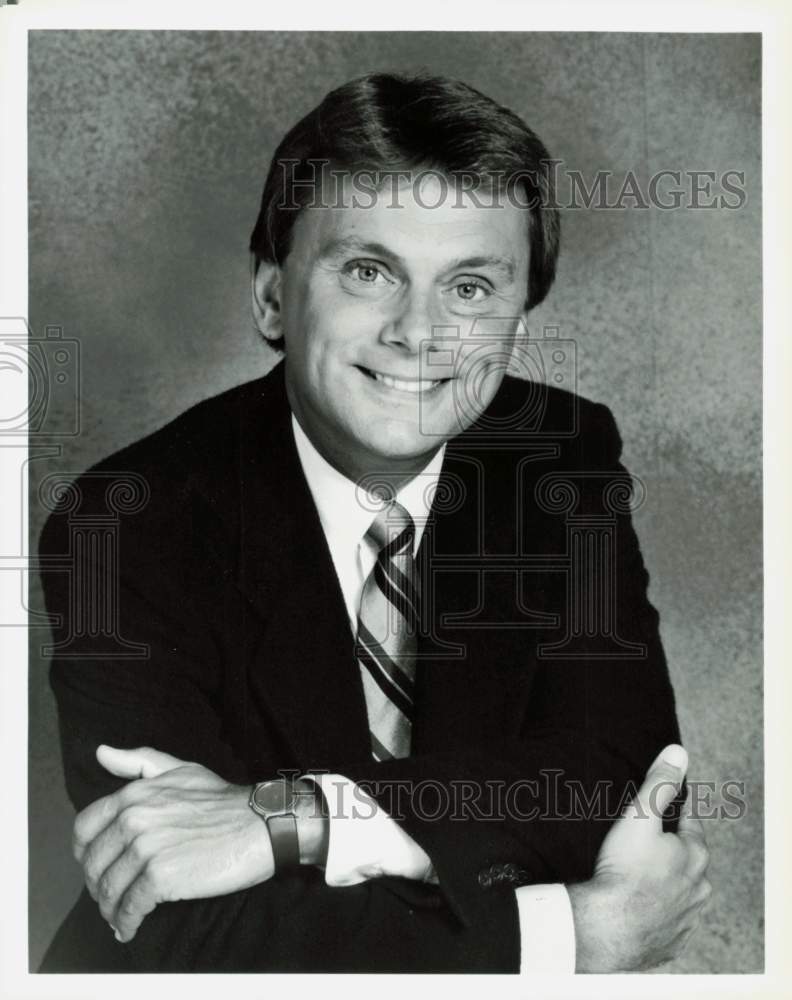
<point>155,874</point>
<point>104,889</point>
<point>79,834</point>
<point>140,848</point>
<point>130,822</point>
<point>126,795</point>
<point>698,856</point>
<point>88,862</point>
<point>92,878</point>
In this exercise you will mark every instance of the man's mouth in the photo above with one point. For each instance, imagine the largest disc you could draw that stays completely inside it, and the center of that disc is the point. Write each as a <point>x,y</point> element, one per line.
<point>413,385</point>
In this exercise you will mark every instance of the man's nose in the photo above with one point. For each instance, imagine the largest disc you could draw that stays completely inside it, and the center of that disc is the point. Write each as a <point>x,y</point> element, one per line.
<point>412,324</point>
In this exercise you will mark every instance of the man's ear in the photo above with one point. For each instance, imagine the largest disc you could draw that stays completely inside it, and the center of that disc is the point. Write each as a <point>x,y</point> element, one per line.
<point>265,288</point>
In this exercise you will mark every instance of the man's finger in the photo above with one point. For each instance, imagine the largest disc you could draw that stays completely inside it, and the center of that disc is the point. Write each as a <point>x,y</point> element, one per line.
<point>116,880</point>
<point>100,855</point>
<point>89,823</point>
<point>691,833</point>
<point>659,789</point>
<point>143,762</point>
<point>689,825</point>
<point>139,899</point>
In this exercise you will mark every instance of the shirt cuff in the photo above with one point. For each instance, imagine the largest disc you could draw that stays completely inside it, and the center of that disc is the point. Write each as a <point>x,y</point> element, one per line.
<point>547,930</point>
<point>365,842</point>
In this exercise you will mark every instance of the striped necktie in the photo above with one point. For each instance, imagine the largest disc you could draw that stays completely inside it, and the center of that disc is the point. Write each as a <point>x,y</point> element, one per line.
<point>387,633</point>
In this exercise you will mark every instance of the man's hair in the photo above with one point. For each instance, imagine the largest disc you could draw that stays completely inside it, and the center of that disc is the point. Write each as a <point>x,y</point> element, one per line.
<point>383,122</point>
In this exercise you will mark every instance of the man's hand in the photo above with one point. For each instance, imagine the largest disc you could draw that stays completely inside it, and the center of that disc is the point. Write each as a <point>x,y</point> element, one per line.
<point>178,832</point>
<point>648,889</point>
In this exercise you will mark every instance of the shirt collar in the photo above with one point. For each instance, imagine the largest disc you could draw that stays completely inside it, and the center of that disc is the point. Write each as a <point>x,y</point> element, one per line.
<point>345,510</point>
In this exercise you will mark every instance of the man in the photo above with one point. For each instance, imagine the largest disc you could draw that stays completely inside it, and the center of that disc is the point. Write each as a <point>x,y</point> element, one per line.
<point>400,665</point>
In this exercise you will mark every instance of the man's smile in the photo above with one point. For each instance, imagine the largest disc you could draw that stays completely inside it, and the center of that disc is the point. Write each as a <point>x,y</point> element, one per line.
<point>413,386</point>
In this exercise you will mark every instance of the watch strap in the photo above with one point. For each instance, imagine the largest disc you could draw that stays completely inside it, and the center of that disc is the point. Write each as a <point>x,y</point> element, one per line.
<point>285,844</point>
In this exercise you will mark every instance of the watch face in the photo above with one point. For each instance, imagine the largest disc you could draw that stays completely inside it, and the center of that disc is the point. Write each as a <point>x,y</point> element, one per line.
<point>272,797</point>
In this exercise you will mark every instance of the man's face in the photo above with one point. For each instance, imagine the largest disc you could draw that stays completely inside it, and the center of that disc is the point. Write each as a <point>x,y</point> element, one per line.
<point>378,306</point>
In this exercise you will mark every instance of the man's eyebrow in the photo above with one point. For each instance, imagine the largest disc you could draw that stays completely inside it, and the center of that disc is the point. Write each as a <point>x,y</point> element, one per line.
<point>503,264</point>
<point>351,244</point>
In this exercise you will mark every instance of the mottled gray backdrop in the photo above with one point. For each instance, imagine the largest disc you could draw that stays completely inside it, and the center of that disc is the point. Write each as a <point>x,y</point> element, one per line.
<point>147,155</point>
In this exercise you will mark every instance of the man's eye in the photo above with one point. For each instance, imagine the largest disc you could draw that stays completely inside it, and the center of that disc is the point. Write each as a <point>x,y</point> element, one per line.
<point>366,272</point>
<point>471,291</point>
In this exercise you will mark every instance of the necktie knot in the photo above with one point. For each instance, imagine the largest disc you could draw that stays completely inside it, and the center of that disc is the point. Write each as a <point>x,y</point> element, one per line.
<point>392,527</point>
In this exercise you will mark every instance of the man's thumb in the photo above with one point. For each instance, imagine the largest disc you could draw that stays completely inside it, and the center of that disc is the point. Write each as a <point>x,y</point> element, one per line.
<point>143,762</point>
<point>659,788</point>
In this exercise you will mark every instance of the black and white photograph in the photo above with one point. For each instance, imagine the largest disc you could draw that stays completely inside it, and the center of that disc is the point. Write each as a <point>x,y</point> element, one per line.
<point>388,534</point>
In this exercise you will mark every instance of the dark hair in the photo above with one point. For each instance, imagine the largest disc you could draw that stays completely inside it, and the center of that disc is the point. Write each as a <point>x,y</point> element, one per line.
<point>380,122</point>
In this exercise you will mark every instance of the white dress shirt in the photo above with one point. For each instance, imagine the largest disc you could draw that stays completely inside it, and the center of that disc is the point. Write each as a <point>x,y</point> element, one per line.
<point>360,851</point>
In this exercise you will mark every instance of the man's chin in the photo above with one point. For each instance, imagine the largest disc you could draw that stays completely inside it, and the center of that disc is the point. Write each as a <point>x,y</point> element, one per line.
<point>397,447</point>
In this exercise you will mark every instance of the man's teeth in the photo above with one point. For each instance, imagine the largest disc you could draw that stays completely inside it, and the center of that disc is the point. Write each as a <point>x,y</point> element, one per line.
<point>397,383</point>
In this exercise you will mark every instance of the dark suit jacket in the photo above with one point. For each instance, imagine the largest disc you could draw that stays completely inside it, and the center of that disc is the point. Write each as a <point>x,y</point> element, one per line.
<point>539,663</point>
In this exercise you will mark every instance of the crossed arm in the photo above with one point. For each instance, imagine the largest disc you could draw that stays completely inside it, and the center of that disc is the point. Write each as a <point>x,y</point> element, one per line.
<point>172,853</point>
<point>177,831</point>
<point>179,863</point>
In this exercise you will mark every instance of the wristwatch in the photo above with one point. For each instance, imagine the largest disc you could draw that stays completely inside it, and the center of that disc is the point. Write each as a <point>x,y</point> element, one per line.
<point>276,803</point>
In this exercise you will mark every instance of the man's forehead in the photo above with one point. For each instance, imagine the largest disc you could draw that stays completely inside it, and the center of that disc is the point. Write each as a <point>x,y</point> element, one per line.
<point>452,226</point>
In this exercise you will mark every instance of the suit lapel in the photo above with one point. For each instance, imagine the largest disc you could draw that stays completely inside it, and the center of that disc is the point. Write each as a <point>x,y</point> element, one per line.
<point>301,666</point>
